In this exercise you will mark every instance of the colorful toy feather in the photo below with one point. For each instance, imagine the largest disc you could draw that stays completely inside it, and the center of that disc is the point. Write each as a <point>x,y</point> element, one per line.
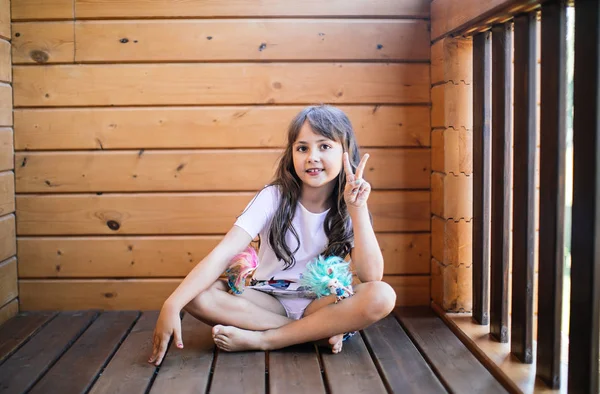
<point>328,276</point>
<point>242,265</point>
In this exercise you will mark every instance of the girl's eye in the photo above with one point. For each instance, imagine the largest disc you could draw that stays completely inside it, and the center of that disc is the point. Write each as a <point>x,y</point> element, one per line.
<point>301,149</point>
<point>325,146</point>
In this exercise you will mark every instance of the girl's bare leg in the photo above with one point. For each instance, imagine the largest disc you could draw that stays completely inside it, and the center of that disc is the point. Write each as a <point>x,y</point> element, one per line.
<point>336,341</point>
<point>252,310</point>
<point>372,302</point>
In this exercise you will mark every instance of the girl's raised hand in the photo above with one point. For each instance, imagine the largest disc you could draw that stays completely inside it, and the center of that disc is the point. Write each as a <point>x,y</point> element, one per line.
<point>357,190</point>
<point>168,324</point>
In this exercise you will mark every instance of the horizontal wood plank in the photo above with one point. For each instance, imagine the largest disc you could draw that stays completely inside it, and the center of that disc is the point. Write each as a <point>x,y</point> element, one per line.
<point>7,158</point>
<point>43,43</point>
<point>7,192</point>
<point>205,127</point>
<point>185,213</point>
<point>6,105</point>
<point>410,290</point>
<point>8,280</point>
<point>150,294</point>
<point>8,244</point>
<point>250,39</point>
<point>42,9</point>
<point>5,62</point>
<point>233,83</point>
<point>246,8</point>
<point>101,257</point>
<point>226,170</point>
<point>9,310</point>
<point>18,330</point>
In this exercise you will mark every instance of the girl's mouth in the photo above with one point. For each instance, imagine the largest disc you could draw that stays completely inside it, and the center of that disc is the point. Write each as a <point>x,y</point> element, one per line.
<point>314,171</point>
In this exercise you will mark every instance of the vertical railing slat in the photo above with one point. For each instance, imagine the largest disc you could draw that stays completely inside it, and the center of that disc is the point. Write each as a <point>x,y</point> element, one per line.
<point>585,251</point>
<point>552,190</point>
<point>481,175</point>
<point>524,186</point>
<point>501,177</point>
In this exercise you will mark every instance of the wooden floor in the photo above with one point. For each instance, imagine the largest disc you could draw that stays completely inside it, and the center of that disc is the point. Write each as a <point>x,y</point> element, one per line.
<point>106,352</point>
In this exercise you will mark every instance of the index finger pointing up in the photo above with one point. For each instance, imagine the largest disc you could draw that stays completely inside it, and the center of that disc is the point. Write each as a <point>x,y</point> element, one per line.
<point>361,166</point>
<point>348,167</point>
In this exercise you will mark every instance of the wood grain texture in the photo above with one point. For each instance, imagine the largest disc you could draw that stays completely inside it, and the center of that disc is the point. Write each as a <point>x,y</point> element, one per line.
<point>352,370</point>
<point>7,156</point>
<point>240,83</point>
<point>205,127</point>
<point>5,61</point>
<point>185,213</point>
<point>239,373</point>
<point>150,294</point>
<point>248,8</point>
<point>8,280</point>
<point>128,370</point>
<point>401,365</point>
<point>455,364</point>
<point>8,311</point>
<point>43,43</point>
<point>96,345</point>
<point>214,170</point>
<point>6,105</point>
<point>8,244</point>
<point>170,256</point>
<point>19,329</point>
<point>251,39</point>
<point>5,19</point>
<point>7,192</point>
<point>42,9</point>
<point>40,353</point>
<point>187,370</point>
<point>295,370</point>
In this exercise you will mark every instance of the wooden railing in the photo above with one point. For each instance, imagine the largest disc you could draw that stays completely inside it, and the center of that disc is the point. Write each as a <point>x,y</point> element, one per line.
<point>496,189</point>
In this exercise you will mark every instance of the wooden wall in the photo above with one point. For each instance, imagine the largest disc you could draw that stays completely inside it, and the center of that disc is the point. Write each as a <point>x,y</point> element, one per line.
<point>8,262</point>
<point>143,128</point>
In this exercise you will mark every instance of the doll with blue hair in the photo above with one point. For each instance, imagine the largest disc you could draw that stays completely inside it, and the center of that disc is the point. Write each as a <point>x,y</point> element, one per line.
<point>297,287</point>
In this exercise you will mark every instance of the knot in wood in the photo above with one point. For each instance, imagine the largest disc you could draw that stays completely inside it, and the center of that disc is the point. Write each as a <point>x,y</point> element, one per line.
<point>39,56</point>
<point>124,40</point>
<point>113,225</point>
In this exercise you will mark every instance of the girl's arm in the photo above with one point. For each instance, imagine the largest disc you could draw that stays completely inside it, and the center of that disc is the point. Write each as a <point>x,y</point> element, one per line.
<point>199,279</point>
<point>366,254</point>
<point>207,271</point>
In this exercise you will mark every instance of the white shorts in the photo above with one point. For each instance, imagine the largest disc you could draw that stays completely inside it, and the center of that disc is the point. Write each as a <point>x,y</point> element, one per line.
<point>294,306</point>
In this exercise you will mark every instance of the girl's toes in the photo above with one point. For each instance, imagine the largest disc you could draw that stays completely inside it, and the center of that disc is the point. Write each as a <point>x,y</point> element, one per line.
<point>216,329</point>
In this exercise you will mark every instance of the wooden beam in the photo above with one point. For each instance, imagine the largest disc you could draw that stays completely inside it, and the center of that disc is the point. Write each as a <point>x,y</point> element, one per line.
<point>481,175</point>
<point>552,190</point>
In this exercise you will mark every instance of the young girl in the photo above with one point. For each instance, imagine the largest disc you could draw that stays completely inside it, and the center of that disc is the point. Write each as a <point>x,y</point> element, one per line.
<point>317,205</point>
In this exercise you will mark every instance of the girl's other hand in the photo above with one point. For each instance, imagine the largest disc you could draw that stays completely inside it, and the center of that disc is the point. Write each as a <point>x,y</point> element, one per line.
<point>357,190</point>
<point>168,324</point>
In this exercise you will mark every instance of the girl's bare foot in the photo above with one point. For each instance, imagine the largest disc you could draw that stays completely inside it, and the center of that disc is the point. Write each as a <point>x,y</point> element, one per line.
<point>233,339</point>
<point>336,343</point>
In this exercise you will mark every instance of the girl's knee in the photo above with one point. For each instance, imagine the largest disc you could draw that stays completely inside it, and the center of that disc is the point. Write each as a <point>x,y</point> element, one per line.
<point>205,300</point>
<point>381,299</point>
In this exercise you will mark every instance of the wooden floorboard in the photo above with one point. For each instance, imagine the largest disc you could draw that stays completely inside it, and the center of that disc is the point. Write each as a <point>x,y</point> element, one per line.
<point>107,352</point>
<point>352,370</point>
<point>187,370</point>
<point>32,360</point>
<point>398,360</point>
<point>129,371</point>
<point>295,370</point>
<point>240,372</point>
<point>19,329</point>
<point>78,368</point>
<point>453,363</point>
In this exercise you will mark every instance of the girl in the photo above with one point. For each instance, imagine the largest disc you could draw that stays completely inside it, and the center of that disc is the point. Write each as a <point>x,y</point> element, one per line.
<point>314,206</point>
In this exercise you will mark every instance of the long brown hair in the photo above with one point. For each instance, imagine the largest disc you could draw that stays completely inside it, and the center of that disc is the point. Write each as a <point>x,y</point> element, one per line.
<point>332,123</point>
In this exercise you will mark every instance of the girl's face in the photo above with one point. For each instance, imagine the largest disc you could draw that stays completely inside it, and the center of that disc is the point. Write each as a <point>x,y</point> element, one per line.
<point>317,159</point>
